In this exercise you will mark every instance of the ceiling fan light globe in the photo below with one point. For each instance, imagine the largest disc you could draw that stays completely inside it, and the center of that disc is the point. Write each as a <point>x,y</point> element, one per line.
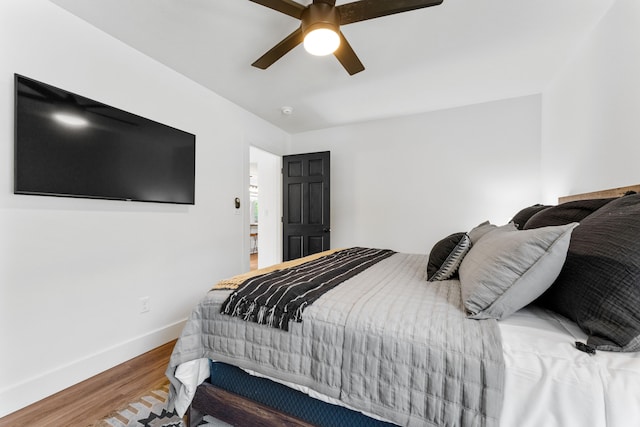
<point>321,41</point>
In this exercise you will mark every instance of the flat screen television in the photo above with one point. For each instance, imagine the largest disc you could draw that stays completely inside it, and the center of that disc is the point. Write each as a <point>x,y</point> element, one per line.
<point>72,146</point>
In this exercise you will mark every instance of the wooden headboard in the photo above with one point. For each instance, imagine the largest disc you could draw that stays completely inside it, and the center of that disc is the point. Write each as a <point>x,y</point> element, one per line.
<point>614,192</point>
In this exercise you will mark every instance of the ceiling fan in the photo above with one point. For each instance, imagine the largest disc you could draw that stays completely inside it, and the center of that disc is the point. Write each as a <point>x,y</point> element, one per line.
<point>320,26</point>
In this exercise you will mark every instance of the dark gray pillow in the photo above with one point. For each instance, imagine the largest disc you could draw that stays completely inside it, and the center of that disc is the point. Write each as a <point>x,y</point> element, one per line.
<point>599,285</point>
<point>521,218</point>
<point>509,268</point>
<point>565,213</point>
<point>446,255</point>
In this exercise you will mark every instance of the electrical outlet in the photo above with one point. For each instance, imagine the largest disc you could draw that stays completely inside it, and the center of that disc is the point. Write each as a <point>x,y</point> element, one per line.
<point>145,304</point>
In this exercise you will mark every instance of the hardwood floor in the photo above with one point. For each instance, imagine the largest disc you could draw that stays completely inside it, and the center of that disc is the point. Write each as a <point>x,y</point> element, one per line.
<point>91,400</point>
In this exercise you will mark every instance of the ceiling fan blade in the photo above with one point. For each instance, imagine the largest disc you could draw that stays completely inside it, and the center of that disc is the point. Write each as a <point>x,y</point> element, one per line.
<point>279,50</point>
<point>288,7</point>
<point>369,9</point>
<point>347,57</point>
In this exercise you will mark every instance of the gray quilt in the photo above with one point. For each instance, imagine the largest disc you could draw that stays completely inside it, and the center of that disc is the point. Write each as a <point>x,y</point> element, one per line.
<point>386,342</point>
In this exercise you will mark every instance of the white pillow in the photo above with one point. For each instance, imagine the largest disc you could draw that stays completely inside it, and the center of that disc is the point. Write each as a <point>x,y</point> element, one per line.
<point>509,268</point>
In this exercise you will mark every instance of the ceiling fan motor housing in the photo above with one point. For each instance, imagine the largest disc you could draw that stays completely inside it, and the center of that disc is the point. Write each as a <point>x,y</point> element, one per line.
<point>320,15</point>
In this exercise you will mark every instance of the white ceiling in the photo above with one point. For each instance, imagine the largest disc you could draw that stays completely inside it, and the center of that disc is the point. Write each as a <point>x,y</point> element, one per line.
<point>461,52</point>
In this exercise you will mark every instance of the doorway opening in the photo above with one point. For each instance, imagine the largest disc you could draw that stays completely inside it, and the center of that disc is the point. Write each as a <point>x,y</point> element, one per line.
<point>253,216</point>
<point>265,207</point>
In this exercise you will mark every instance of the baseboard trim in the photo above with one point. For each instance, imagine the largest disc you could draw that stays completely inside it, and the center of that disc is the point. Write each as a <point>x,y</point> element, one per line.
<point>41,386</point>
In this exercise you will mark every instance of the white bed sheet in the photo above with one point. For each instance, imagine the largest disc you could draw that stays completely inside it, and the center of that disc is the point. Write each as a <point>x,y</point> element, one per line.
<point>548,382</point>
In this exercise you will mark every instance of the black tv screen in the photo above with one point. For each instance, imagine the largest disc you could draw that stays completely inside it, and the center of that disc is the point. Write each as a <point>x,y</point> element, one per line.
<point>69,145</point>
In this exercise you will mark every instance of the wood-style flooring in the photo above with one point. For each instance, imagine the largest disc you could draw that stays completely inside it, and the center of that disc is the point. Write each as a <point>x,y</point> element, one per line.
<point>92,400</point>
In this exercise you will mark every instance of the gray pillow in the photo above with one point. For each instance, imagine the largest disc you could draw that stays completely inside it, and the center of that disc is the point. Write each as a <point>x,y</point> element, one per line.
<point>480,230</point>
<point>508,268</point>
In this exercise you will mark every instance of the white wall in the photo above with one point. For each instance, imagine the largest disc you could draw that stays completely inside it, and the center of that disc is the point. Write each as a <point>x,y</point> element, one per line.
<point>591,111</point>
<point>72,270</point>
<point>405,183</point>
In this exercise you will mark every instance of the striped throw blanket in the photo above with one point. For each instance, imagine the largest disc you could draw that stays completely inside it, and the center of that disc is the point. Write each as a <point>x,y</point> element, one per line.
<point>277,297</point>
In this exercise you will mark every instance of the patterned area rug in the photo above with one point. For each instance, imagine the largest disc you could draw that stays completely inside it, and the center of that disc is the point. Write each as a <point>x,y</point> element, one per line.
<point>151,411</point>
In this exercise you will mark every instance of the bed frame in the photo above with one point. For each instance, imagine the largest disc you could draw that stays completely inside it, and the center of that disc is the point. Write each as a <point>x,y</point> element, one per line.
<point>604,194</point>
<point>238,411</point>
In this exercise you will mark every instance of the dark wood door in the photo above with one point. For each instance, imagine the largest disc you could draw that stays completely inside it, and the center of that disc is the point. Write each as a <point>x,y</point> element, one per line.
<point>305,221</point>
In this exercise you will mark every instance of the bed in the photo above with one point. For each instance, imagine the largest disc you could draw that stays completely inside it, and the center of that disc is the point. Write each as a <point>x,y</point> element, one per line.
<point>530,323</point>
